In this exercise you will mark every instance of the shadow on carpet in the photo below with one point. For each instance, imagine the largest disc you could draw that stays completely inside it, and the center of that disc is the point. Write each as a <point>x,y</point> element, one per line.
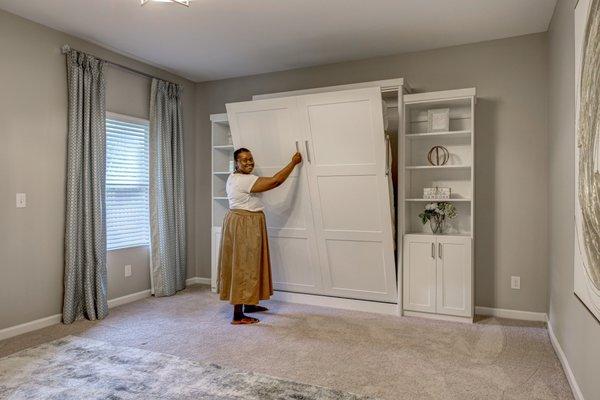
<point>79,368</point>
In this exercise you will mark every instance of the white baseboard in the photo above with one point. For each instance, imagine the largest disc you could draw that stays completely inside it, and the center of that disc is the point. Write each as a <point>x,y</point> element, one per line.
<point>565,364</point>
<point>57,318</point>
<point>440,317</point>
<point>198,281</point>
<point>29,326</point>
<point>119,301</point>
<point>336,302</point>
<point>512,314</point>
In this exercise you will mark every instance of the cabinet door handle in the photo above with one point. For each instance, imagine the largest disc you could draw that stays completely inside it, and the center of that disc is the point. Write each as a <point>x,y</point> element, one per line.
<point>297,148</point>
<point>440,250</point>
<point>432,250</point>
<point>387,155</point>
<point>307,151</point>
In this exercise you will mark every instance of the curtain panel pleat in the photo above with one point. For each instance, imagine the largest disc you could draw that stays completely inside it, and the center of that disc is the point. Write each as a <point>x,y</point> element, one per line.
<point>85,278</point>
<point>167,193</point>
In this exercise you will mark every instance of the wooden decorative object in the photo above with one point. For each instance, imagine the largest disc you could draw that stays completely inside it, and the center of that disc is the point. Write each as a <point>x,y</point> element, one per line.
<point>438,155</point>
<point>437,193</point>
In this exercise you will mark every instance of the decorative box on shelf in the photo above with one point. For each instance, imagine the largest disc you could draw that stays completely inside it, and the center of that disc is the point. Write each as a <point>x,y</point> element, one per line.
<point>437,193</point>
<point>438,120</point>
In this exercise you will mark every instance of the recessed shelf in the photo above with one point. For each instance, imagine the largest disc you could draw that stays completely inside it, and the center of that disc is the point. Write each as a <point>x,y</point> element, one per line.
<point>224,147</point>
<point>420,167</point>
<point>437,134</point>
<point>438,200</point>
<point>220,198</point>
<point>222,173</point>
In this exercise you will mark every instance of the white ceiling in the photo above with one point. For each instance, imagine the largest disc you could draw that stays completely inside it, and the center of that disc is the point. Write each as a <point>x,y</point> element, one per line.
<point>214,39</point>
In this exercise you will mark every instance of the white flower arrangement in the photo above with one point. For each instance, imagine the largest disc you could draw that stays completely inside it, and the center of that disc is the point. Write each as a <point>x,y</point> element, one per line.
<point>436,214</point>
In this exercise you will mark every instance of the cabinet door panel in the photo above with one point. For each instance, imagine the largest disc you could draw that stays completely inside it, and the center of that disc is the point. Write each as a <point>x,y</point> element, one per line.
<point>269,128</point>
<point>454,276</point>
<point>216,250</point>
<point>350,193</point>
<point>419,276</point>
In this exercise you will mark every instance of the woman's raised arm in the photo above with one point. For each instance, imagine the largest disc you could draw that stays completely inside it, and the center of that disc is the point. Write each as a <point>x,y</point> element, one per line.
<point>263,184</point>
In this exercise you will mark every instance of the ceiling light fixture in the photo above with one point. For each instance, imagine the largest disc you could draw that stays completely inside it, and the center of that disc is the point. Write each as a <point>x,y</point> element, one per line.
<point>182,2</point>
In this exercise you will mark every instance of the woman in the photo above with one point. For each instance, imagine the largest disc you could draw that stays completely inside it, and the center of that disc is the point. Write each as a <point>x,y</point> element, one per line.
<point>244,265</point>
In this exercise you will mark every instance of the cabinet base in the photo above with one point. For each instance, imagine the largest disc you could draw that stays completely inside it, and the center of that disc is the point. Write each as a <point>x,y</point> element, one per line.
<point>337,302</point>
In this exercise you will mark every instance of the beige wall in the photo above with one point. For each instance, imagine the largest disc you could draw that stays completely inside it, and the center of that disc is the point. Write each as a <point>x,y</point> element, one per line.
<point>33,126</point>
<point>511,79</point>
<point>575,328</point>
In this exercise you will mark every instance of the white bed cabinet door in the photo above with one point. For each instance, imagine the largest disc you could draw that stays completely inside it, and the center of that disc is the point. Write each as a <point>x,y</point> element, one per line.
<point>269,128</point>
<point>346,160</point>
<point>419,277</point>
<point>454,276</point>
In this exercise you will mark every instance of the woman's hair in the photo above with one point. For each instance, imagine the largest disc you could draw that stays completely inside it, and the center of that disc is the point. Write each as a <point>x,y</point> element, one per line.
<point>238,152</point>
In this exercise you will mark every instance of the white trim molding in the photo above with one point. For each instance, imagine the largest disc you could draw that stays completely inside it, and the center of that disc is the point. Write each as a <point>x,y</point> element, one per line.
<point>337,302</point>
<point>30,326</point>
<point>37,324</point>
<point>119,301</point>
<point>197,280</point>
<point>386,85</point>
<point>512,314</point>
<point>565,364</point>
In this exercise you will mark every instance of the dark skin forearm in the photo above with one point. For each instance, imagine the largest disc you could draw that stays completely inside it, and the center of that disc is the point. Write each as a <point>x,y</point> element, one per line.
<point>263,184</point>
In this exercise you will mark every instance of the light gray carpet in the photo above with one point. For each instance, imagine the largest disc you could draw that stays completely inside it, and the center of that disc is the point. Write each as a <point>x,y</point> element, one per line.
<point>383,356</point>
<point>77,368</point>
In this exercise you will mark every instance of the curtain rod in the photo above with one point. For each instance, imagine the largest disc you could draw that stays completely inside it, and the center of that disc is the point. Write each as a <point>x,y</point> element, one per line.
<point>66,48</point>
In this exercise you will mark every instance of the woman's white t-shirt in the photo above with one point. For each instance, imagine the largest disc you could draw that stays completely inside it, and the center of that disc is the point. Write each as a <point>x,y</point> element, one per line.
<point>238,192</point>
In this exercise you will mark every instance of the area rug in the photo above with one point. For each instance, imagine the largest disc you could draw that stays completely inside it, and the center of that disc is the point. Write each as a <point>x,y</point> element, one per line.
<point>80,368</point>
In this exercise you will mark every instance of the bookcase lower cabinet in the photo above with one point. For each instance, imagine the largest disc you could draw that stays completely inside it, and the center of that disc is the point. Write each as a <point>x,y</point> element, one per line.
<point>215,250</point>
<point>438,275</point>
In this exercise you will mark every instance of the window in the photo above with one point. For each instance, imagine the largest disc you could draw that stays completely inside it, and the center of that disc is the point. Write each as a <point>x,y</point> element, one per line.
<point>127,181</point>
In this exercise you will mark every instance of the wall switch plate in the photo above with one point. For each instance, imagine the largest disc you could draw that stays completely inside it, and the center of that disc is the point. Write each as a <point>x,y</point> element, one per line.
<point>21,200</point>
<point>515,282</point>
<point>127,271</point>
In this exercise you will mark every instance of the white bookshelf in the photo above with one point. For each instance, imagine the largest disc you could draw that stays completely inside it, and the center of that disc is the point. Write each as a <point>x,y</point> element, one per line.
<point>438,270</point>
<point>457,174</point>
<point>221,155</point>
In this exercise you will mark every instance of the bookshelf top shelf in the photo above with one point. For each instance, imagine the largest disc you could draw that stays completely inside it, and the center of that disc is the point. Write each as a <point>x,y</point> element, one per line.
<point>219,119</point>
<point>448,96</point>
<point>438,134</point>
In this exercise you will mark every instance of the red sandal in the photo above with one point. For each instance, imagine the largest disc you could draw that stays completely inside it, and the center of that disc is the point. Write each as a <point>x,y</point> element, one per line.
<point>245,321</point>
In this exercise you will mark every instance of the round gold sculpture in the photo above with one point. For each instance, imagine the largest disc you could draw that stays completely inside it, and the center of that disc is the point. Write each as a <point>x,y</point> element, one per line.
<point>435,158</point>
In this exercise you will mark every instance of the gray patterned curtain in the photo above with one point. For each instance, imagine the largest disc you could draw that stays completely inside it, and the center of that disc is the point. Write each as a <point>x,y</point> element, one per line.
<point>167,206</point>
<point>85,229</point>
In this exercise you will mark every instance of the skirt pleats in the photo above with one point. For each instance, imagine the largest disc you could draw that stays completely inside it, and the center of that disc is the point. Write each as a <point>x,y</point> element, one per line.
<point>244,262</point>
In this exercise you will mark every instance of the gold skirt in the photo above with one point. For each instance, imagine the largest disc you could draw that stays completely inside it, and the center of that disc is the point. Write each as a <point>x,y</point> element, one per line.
<point>244,264</point>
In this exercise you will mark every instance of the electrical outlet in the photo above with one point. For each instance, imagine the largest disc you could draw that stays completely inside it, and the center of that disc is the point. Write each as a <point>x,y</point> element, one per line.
<point>127,271</point>
<point>21,200</point>
<point>515,282</point>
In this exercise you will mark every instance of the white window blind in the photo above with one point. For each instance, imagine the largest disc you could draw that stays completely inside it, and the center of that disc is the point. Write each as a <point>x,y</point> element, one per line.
<point>127,181</point>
